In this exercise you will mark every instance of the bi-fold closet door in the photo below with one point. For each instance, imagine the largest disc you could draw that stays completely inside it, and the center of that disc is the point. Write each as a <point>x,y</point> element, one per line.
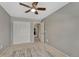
<point>21,32</point>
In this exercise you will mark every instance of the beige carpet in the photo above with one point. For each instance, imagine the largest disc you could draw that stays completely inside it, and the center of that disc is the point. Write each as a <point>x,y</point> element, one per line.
<point>36,49</point>
<point>29,53</point>
<point>27,50</point>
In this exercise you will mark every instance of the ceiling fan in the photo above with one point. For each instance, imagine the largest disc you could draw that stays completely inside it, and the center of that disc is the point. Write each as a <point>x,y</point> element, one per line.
<point>34,8</point>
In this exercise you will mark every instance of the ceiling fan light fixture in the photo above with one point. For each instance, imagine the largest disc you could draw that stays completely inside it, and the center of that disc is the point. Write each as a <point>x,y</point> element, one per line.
<point>33,10</point>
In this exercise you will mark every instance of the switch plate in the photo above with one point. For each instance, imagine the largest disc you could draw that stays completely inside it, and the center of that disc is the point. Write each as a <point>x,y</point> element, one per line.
<point>1,46</point>
<point>47,40</point>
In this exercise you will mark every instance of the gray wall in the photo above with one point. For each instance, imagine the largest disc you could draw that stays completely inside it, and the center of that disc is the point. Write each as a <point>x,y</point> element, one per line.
<point>4,29</point>
<point>62,29</point>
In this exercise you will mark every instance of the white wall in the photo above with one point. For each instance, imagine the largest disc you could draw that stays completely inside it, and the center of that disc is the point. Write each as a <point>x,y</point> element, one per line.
<point>4,29</point>
<point>62,29</point>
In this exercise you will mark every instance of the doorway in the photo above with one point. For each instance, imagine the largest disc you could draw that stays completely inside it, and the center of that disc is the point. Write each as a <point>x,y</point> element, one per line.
<point>36,32</point>
<point>39,32</point>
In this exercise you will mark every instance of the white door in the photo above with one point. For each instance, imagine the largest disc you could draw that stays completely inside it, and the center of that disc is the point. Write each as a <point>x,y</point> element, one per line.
<point>21,32</point>
<point>41,32</point>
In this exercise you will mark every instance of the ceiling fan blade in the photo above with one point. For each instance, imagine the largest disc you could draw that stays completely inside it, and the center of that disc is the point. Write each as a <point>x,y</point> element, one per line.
<point>28,11</point>
<point>36,12</point>
<point>24,5</point>
<point>41,8</point>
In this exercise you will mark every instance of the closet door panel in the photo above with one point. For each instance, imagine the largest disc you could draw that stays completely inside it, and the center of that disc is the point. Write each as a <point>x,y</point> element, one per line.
<point>21,32</point>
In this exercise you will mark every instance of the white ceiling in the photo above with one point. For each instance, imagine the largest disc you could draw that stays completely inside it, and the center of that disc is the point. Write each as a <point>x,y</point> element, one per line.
<point>16,10</point>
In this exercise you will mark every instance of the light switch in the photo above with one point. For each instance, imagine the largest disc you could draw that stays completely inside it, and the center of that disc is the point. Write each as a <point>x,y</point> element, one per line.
<point>47,40</point>
<point>1,46</point>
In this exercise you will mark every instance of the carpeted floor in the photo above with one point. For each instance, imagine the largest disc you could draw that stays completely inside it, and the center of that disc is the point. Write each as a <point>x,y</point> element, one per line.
<point>29,53</point>
<point>27,50</point>
<point>36,49</point>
